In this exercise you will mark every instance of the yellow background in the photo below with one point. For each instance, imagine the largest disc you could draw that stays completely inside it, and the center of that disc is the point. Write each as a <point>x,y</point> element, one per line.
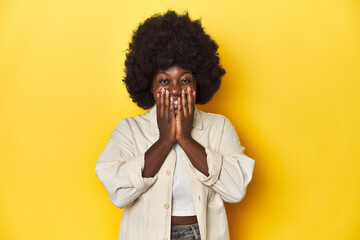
<point>292,90</point>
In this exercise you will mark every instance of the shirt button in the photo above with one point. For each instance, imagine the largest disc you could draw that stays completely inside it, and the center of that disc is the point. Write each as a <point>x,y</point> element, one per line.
<point>164,238</point>
<point>166,206</point>
<point>168,172</point>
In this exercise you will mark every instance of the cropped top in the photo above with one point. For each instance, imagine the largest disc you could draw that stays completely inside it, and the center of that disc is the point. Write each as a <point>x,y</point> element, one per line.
<point>182,201</point>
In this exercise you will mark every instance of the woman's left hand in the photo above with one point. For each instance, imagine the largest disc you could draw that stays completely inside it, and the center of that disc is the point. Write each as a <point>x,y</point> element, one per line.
<point>185,115</point>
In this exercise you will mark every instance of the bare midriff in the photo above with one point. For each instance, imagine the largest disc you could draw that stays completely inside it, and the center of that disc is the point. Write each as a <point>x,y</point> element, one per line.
<point>183,220</point>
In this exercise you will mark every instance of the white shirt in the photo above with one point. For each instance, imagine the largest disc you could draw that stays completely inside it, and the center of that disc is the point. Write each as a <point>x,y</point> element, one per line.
<point>147,201</point>
<point>182,202</point>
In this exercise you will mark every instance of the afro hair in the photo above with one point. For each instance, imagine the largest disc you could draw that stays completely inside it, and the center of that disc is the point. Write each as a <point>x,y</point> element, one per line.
<point>162,41</point>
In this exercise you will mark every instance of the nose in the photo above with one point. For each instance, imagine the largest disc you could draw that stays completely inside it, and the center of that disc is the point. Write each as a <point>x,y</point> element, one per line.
<point>175,89</point>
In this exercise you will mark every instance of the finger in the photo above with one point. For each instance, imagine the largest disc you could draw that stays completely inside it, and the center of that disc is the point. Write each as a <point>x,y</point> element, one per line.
<point>180,113</point>
<point>166,107</point>
<point>184,103</point>
<point>172,111</point>
<point>194,100</point>
<point>157,102</point>
<point>190,99</point>
<point>162,98</point>
<point>179,109</point>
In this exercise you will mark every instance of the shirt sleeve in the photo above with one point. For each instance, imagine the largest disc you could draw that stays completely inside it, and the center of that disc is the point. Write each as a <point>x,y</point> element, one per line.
<point>230,170</point>
<point>119,168</point>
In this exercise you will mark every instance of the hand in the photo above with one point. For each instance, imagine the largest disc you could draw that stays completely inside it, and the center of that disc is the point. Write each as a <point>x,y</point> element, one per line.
<point>185,115</point>
<point>165,116</point>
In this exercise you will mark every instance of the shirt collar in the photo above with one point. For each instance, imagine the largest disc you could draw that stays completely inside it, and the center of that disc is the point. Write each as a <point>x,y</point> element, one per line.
<point>151,115</point>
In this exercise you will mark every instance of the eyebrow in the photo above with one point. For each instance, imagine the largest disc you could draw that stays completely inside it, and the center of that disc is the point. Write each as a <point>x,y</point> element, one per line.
<point>162,72</point>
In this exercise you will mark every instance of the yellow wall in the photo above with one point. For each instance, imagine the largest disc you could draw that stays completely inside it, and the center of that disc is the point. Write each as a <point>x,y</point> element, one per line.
<point>292,91</point>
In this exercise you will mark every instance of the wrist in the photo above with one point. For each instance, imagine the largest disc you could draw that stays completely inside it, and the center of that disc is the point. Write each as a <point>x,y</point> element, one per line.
<point>167,142</point>
<point>185,140</point>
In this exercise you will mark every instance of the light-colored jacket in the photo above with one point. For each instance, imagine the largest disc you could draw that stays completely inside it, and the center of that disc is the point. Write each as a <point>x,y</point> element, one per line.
<point>147,201</point>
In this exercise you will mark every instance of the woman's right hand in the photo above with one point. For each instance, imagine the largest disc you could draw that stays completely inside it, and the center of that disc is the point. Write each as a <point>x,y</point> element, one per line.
<point>166,116</point>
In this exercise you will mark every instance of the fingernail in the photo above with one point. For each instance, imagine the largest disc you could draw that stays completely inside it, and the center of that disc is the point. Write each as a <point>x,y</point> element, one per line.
<point>167,92</point>
<point>194,93</point>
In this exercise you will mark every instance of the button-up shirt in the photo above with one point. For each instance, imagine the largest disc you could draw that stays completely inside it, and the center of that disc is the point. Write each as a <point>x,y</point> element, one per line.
<point>146,202</point>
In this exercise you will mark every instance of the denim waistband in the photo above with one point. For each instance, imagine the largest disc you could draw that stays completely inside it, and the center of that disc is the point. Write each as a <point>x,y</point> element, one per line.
<point>174,227</point>
<point>190,231</point>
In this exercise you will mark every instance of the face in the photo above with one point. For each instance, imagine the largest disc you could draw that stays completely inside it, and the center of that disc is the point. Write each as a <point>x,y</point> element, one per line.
<point>173,79</point>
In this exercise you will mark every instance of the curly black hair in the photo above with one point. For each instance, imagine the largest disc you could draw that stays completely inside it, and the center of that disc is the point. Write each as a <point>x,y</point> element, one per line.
<point>162,41</point>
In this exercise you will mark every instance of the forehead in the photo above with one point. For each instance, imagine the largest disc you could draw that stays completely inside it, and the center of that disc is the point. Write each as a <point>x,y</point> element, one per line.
<point>173,71</point>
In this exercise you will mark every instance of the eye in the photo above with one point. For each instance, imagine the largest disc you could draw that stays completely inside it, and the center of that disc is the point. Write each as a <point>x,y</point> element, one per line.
<point>163,81</point>
<point>185,80</point>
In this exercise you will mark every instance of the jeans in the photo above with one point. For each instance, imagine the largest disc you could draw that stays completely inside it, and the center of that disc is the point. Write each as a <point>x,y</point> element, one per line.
<point>185,232</point>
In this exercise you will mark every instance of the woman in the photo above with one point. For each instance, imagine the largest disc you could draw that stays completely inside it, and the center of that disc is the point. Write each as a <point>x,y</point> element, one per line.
<point>172,167</point>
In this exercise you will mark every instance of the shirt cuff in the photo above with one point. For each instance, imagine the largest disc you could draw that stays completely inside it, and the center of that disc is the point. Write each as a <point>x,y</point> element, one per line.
<point>134,168</point>
<point>214,162</point>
